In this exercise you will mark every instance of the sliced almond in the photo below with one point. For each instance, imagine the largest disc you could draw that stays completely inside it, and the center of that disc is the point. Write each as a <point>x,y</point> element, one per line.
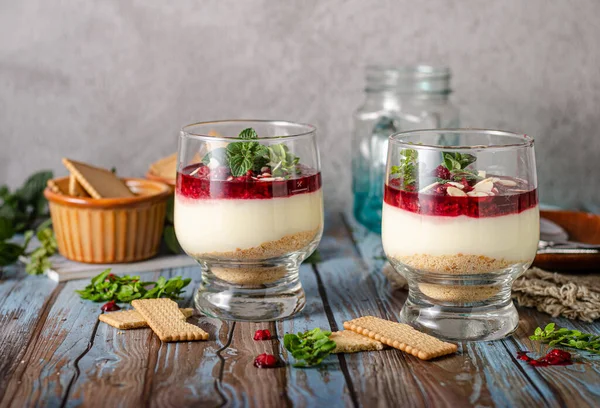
<point>476,194</point>
<point>484,186</point>
<point>455,192</point>
<point>507,183</point>
<point>481,173</point>
<point>455,184</point>
<point>429,187</point>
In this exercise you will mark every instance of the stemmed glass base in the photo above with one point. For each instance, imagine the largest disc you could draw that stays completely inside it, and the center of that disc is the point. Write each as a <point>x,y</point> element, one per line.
<point>461,323</point>
<point>274,300</point>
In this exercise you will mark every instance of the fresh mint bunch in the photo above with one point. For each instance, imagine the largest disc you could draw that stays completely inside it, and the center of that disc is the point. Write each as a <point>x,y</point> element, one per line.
<point>556,336</point>
<point>251,155</point>
<point>408,170</point>
<point>457,164</point>
<point>38,260</point>
<point>457,161</point>
<point>106,287</point>
<point>19,212</point>
<point>311,346</point>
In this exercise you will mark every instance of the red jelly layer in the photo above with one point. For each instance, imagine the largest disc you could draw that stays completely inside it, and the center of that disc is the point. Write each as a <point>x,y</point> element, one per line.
<point>450,206</point>
<point>246,187</point>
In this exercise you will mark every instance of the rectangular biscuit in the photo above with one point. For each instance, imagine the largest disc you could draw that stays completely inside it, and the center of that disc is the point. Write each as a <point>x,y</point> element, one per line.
<point>132,319</point>
<point>347,341</point>
<point>75,188</point>
<point>164,318</point>
<point>98,182</point>
<point>401,336</point>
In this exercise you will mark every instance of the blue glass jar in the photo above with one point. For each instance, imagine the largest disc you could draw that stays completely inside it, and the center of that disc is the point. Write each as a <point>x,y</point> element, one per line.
<point>397,99</point>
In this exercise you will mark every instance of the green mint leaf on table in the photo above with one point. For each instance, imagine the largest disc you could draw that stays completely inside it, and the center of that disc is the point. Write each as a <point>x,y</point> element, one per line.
<point>311,346</point>
<point>556,336</point>
<point>106,286</point>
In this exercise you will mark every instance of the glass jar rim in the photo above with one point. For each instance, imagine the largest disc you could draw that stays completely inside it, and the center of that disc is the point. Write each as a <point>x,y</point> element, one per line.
<point>521,140</point>
<point>306,129</point>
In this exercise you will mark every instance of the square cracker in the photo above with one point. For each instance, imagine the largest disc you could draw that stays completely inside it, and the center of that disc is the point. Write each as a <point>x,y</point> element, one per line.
<point>98,182</point>
<point>164,318</point>
<point>131,319</point>
<point>75,188</point>
<point>347,341</point>
<point>401,336</point>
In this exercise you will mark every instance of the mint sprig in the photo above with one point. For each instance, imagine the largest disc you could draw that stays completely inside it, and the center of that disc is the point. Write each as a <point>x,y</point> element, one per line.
<point>251,155</point>
<point>106,286</point>
<point>408,169</point>
<point>457,161</point>
<point>557,336</point>
<point>311,346</point>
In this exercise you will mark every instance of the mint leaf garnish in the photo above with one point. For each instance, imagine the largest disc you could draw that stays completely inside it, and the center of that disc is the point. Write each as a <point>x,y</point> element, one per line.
<point>241,155</point>
<point>457,161</point>
<point>408,169</point>
<point>219,154</point>
<point>248,134</point>
<point>251,155</point>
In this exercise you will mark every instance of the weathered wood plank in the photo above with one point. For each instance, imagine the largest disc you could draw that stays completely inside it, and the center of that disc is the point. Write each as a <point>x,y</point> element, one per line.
<point>575,385</point>
<point>324,386</point>
<point>24,307</point>
<point>467,378</point>
<point>121,365</point>
<point>49,361</point>
<point>186,373</point>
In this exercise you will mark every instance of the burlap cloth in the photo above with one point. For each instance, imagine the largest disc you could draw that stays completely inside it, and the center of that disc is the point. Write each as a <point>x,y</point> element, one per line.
<point>567,295</point>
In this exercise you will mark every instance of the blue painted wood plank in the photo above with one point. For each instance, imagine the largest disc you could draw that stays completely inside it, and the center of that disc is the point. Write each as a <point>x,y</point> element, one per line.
<point>123,365</point>
<point>24,304</point>
<point>50,362</point>
<point>324,386</point>
<point>185,373</point>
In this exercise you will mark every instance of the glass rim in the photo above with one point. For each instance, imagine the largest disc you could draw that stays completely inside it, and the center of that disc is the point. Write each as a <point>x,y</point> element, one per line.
<point>526,141</point>
<point>426,71</point>
<point>308,129</point>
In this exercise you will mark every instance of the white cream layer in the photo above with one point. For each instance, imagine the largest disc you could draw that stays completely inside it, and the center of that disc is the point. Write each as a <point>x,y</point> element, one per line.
<point>223,225</point>
<point>512,237</point>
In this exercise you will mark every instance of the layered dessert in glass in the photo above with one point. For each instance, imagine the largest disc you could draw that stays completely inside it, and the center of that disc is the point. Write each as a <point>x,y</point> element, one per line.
<point>250,210</point>
<point>461,223</point>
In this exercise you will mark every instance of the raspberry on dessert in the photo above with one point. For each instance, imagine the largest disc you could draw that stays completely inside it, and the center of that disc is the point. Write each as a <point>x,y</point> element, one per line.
<point>440,189</point>
<point>262,335</point>
<point>265,361</point>
<point>442,172</point>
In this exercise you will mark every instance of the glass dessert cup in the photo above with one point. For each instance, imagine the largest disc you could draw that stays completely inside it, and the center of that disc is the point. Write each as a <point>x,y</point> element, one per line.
<point>249,209</point>
<point>460,222</point>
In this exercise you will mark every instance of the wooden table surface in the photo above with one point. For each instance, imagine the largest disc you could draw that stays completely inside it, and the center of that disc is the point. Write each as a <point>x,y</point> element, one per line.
<point>55,352</point>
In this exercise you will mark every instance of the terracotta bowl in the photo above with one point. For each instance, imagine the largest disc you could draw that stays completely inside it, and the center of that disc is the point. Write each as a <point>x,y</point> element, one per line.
<point>109,230</point>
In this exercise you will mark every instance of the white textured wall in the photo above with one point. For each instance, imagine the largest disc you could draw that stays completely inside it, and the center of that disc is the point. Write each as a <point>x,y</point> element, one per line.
<point>111,81</point>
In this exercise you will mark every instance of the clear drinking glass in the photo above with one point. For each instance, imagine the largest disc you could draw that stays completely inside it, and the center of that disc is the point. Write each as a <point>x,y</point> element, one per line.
<point>249,211</point>
<point>460,222</point>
